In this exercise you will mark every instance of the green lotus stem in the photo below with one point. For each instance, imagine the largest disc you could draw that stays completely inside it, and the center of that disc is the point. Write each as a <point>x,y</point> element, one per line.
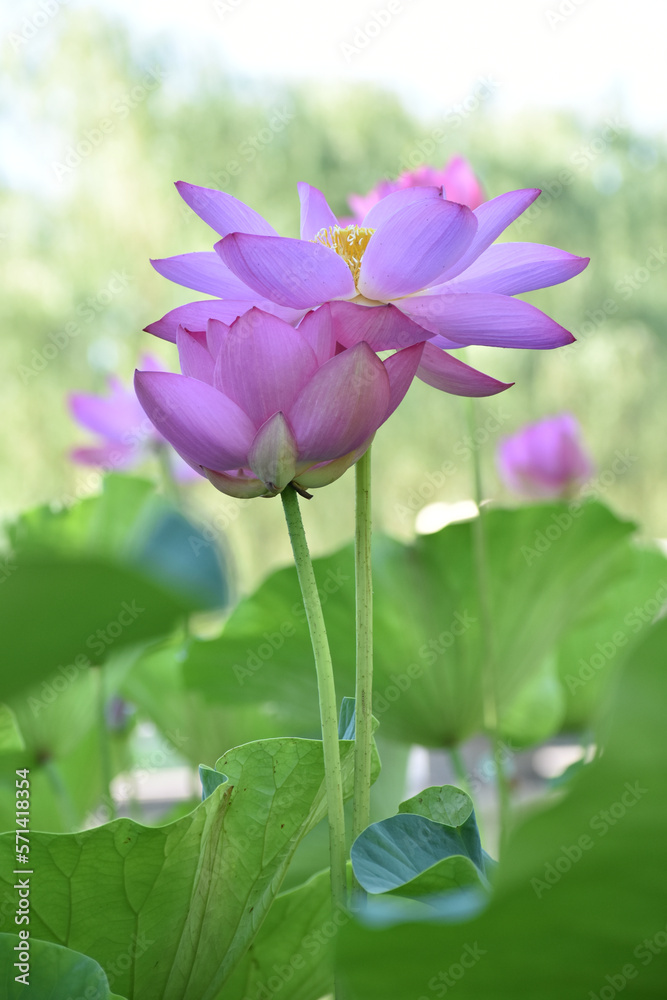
<point>363,733</point>
<point>490,674</point>
<point>327,695</point>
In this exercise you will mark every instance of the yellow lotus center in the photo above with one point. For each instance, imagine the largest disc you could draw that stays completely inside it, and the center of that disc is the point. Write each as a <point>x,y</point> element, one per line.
<point>349,243</point>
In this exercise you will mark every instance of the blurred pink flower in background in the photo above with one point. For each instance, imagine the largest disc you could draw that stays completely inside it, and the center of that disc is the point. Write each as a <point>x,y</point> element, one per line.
<point>546,459</point>
<point>457,177</point>
<point>262,404</point>
<point>127,437</point>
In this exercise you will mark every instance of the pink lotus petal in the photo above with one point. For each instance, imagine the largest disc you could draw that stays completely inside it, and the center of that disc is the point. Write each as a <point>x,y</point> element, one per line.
<point>114,416</point>
<point>216,335</point>
<point>317,329</point>
<point>393,202</point>
<point>512,268</point>
<point>461,184</point>
<point>205,427</point>
<point>293,273</point>
<point>412,248</point>
<point>150,363</point>
<point>492,218</point>
<point>315,211</point>
<point>486,318</point>
<point>203,272</point>
<point>324,473</point>
<point>195,315</point>
<point>263,364</point>
<point>443,342</point>
<point>383,328</point>
<point>273,454</point>
<point>401,369</point>
<point>243,487</point>
<point>342,405</point>
<point>546,459</point>
<point>222,212</point>
<point>195,360</point>
<point>110,456</point>
<point>448,374</point>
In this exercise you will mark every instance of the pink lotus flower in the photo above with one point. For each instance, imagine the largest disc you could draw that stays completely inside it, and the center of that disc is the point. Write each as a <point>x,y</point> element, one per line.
<point>433,259</point>
<point>262,404</point>
<point>546,459</point>
<point>127,437</point>
<point>457,179</point>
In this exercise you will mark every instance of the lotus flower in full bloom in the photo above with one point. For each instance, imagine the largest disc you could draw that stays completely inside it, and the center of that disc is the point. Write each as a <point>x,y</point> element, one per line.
<point>457,178</point>
<point>434,260</point>
<point>546,459</point>
<point>262,404</point>
<point>126,437</point>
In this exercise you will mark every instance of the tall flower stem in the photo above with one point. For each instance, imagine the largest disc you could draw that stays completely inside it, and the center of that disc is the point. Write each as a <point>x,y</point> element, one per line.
<point>363,734</point>
<point>490,667</point>
<point>327,695</point>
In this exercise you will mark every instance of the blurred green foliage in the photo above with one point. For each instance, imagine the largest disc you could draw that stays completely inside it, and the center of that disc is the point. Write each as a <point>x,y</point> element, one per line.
<point>76,248</point>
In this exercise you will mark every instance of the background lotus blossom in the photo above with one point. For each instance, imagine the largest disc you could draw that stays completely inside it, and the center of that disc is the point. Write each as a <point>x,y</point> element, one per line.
<point>546,459</point>
<point>127,438</point>
<point>433,259</point>
<point>262,404</point>
<point>457,178</point>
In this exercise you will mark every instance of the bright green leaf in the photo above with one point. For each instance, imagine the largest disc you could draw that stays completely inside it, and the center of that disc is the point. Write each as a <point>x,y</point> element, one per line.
<point>413,856</point>
<point>173,909</point>
<point>589,653</point>
<point>293,951</point>
<point>444,804</point>
<point>130,524</point>
<point>55,973</point>
<point>579,903</point>
<point>546,567</point>
<point>84,607</point>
